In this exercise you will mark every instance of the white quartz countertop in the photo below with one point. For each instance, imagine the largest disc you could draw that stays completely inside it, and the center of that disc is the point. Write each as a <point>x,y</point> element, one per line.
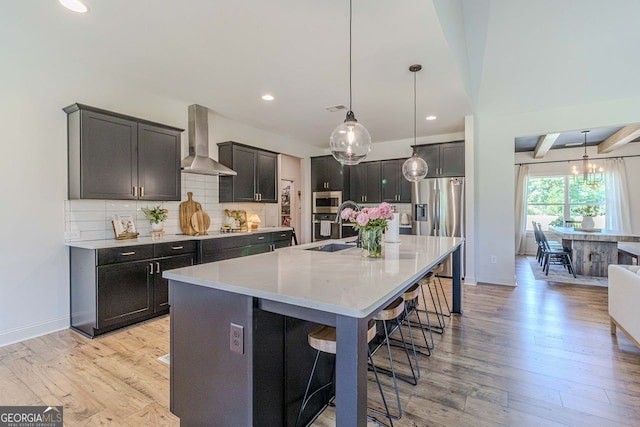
<point>336,282</point>
<point>113,243</point>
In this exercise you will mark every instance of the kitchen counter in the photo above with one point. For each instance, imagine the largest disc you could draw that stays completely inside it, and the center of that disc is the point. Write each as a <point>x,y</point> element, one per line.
<point>340,289</point>
<point>113,243</point>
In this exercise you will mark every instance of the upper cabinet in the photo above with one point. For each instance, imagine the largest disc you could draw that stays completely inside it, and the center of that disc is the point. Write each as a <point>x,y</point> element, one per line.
<point>257,174</point>
<point>364,182</point>
<point>118,157</point>
<point>444,160</point>
<point>394,186</point>
<point>327,174</point>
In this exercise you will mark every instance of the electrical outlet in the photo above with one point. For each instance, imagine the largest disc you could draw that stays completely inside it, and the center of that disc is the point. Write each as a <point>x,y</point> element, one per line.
<point>494,259</point>
<point>73,234</point>
<point>236,338</point>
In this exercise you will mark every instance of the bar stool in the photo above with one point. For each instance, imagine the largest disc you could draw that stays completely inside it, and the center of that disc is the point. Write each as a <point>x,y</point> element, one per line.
<point>410,297</point>
<point>387,315</point>
<point>323,339</point>
<point>428,280</point>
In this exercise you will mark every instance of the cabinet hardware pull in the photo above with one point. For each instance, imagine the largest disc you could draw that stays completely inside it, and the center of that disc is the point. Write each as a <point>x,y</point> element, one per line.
<point>151,268</point>
<point>141,191</point>
<point>157,267</point>
<point>135,191</point>
<point>127,253</point>
<point>175,248</point>
<point>260,237</point>
<point>283,235</point>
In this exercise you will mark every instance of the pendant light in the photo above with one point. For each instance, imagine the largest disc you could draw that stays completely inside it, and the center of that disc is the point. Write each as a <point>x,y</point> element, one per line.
<point>590,174</point>
<point>414,168</point>
<point>350,142</point>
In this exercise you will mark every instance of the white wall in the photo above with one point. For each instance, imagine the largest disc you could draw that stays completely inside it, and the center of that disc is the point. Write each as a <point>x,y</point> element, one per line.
<point>495,178</point>
<point>34,290</point>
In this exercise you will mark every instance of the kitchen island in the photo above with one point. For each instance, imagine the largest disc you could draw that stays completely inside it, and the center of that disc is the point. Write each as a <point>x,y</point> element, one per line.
<point>226,317</point>
<point>593,251</point>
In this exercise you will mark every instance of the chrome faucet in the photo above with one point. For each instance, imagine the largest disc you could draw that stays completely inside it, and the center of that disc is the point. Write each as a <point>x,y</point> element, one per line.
<point>346,204</point>
<point>356,207</point>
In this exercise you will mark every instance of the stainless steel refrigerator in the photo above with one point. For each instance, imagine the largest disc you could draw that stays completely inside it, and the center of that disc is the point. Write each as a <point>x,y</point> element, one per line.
<point>438,210</point>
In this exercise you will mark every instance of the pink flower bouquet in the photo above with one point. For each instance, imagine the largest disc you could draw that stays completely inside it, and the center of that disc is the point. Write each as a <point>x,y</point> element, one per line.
<point>369,218</point>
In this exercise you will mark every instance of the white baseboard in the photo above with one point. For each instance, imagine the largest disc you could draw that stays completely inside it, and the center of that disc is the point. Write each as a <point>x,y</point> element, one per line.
<point>12,336</point>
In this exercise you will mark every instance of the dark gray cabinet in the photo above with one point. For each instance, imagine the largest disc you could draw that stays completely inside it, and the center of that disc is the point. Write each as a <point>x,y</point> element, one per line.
<point>257,174</point>
<point>394,187</point>
<point>116,287</point>
<point>444,160</point>
<point>237,246</point>
<point>364,183</point>
<point>327,174</point>
<point>117,157</point>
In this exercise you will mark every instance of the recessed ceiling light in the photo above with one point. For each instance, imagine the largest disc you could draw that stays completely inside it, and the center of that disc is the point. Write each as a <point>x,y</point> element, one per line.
<point>267,97</point>
<point>75,5</point>
<point>431,117</point>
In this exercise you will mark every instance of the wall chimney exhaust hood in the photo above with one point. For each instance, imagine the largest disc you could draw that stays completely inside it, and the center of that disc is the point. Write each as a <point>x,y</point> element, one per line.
<point>198,160</point>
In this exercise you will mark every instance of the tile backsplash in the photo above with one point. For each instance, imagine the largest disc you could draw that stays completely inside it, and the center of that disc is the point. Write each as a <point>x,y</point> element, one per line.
<point>92,218</point>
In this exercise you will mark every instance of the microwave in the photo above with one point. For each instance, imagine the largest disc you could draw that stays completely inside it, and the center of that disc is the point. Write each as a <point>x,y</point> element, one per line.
<point>326,202</point>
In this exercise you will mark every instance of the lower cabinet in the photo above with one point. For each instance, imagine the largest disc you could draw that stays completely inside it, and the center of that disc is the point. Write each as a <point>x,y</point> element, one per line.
<point>236,246</point>
<point>116,287</point>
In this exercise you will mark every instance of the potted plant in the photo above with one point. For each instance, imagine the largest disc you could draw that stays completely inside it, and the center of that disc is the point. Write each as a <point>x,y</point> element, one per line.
<point>588,212</point>
<point>155,216</point>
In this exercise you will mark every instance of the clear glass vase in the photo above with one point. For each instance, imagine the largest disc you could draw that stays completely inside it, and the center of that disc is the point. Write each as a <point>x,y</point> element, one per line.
<point>371,242</point>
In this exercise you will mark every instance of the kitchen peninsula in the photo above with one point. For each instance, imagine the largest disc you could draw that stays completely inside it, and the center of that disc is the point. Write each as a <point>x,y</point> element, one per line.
<point>593,251</point>
<point>228,353</point>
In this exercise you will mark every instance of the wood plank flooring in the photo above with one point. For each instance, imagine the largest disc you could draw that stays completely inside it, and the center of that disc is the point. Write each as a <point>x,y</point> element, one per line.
<point>540,354</point>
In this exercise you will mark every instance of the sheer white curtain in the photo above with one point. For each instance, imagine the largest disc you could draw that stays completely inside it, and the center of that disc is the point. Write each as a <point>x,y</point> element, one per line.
<point>521,209</point>
<point>617,216</point>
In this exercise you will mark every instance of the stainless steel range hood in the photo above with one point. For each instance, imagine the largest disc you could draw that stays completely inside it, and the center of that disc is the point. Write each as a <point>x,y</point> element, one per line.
<point>198,160</point>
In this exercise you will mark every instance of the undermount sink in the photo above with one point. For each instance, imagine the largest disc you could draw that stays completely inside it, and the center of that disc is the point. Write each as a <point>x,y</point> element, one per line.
<point>331,247</point>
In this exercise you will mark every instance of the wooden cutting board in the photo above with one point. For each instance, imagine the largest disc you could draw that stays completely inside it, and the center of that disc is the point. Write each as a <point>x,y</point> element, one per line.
<point>187,209</point>
<point>200,222</point>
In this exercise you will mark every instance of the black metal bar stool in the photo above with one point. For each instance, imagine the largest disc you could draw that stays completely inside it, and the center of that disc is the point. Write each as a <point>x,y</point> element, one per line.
<point>323,339</point>
<point>387,315</point>
<point>411,303</point>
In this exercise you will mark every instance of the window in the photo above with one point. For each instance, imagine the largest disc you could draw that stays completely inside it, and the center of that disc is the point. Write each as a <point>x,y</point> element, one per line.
<point>552,200</point>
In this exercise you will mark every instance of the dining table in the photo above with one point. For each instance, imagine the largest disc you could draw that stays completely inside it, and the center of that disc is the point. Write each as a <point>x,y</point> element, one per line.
<point>592,250</point>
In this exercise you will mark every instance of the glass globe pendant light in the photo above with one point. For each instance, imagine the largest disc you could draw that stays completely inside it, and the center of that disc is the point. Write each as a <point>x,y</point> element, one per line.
<point>414,168</point>
<point>350,142</point>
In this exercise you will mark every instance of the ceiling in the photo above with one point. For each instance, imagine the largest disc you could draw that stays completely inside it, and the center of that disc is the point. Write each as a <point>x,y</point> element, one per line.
<point>572,139</point>
<point>226,55</point>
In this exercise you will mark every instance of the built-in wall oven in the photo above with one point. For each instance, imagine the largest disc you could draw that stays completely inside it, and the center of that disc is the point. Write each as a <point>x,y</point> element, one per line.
<point>325,208</point>
<point>326,202</point>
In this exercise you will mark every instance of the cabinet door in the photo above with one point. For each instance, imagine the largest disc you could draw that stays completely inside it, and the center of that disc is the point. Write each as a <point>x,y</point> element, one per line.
<point>108,157</point>
<point>431,155</point>
<point>404,186</point>
<point>161,285</point>
<point>357,182</point>
<point>267,177</point>
<point>373,192</point>
<point>452,159</point>
<point>335,174</point>
<point>158,163</point>
<point>390,181</point>
<point>318,174</point>
<point>244,184</point>
<point>124,292</point>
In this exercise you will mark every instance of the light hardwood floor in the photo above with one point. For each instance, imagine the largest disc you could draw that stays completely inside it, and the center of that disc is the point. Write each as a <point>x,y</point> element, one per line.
<point>539,354</point>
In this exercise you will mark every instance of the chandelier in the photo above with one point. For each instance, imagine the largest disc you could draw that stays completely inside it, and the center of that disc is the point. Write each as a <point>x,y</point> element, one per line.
<point>590,175</point>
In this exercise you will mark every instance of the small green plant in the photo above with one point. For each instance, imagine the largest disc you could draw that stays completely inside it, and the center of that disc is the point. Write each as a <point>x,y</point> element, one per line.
<point>589,210</point>
<point>558,222</point>
<point>156,214</point>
